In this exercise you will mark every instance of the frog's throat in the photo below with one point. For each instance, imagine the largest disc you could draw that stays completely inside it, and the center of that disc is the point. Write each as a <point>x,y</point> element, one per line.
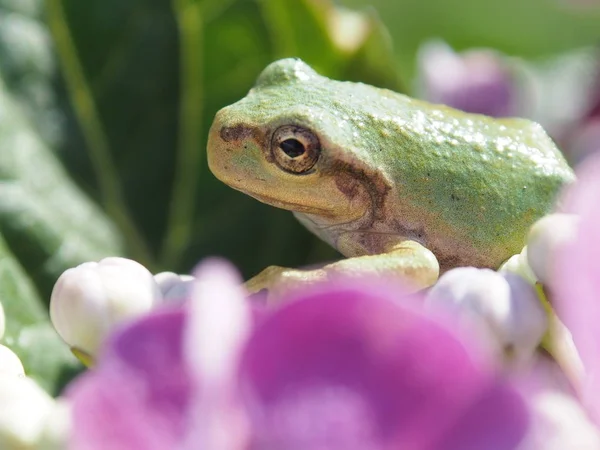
<point>370,189</point>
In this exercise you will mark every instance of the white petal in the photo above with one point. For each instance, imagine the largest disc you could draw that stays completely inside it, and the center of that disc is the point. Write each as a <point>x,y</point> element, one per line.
<point>23,412</point>
<point>10,364</point>
<point>560,423</point>
<point>216,328</point>
<point>218,322</point>
<point>55,433</point>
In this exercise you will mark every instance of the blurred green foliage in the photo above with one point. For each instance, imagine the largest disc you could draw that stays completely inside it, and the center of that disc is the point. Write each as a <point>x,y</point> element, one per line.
<point>528,28</point>
<point>146,78</point>
<point>105,107</point>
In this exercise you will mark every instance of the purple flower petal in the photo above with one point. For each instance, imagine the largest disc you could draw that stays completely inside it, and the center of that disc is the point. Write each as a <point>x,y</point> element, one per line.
<point>477,81</point>
<point>586,141</point>
<point>577,278</point>
<point>349,367</point>
<point>138,397</point>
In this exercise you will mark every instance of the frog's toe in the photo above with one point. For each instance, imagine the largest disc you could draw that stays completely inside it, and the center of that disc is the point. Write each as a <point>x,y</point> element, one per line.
<point>277,281</point>
<point>265,279</point>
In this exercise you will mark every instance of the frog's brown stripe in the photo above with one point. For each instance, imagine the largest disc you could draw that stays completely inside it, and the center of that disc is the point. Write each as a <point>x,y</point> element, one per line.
<point>239,132</point>
<point>372,181</point>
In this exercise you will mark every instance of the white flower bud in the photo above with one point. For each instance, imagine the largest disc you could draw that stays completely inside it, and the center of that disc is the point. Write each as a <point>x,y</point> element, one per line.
<point>10,364</point>
<point>505,306</point>
<point>546,236</point>
<point>174,286</point>
<point>2,321</point>
<point>23,413</point>
<point>519,265</point>
<point>90,299</point>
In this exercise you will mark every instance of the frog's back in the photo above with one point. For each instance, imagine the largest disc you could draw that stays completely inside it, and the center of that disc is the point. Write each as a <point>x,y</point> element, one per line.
<point>471,185</point>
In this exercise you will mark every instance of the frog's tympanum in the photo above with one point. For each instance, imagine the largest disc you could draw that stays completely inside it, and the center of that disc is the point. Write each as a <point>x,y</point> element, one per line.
<point>397,185</point>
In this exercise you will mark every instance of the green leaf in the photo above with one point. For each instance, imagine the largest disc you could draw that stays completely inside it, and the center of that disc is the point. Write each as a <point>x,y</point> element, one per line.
<point>26,64</point>
<point>48,223</point>
<point>89,108</point>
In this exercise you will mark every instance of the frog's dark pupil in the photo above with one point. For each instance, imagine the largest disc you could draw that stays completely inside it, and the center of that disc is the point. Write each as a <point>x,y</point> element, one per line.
<point>292,147</point>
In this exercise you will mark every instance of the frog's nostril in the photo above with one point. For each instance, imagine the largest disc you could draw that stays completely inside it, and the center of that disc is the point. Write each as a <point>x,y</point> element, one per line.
<point>226,134</point>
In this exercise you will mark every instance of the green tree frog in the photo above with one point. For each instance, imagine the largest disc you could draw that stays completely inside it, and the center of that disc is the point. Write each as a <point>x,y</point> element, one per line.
<point>399,186</point>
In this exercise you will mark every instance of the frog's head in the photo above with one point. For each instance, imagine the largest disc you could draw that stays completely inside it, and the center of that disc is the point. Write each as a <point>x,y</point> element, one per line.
<point>286,144</point>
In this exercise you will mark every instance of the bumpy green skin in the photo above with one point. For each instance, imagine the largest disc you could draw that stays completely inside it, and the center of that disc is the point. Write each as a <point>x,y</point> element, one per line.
<point>466,186</point>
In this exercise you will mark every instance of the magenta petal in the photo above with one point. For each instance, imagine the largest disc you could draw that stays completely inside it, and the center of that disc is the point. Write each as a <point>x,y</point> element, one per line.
<point>139,395</point>
<point>578,278</point>
<point>350,368</point>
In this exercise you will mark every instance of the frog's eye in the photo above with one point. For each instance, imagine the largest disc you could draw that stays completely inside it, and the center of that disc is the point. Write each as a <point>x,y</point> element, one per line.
<point>295,149</point>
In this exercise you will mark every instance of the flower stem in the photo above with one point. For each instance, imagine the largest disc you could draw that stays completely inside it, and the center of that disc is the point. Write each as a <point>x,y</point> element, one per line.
<point>559,344</point>
<point>188,14</point>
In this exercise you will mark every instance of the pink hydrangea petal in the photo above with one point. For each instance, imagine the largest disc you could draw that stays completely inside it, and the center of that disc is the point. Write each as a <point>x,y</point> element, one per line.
<point>152,349</point>
<point>109,413</point>
<point>342,367</point>
<point>477,81</point>
<point>577,277</point>
<point>349,367</point>
<point>138,396</point>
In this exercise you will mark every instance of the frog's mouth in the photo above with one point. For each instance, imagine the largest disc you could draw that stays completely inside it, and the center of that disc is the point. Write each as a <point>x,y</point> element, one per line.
<point>290,206</point>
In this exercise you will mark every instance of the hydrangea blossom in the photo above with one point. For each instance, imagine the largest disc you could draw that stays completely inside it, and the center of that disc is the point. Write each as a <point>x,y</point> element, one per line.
<point>340,366</point>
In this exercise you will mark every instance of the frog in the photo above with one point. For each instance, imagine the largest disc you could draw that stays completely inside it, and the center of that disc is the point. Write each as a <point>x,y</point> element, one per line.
<point>401,187</point>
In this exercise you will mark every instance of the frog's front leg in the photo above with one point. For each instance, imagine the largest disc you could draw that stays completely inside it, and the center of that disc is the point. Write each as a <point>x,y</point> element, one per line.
<point>406,260</point>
